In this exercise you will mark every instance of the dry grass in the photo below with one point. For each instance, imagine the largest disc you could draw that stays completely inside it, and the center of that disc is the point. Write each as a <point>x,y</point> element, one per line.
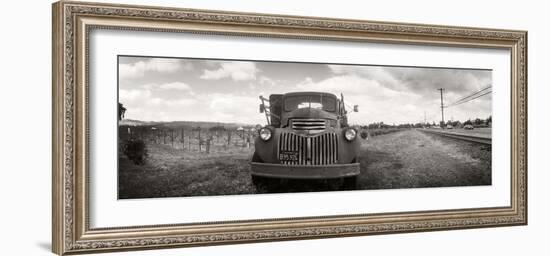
<point>382,131</point>
<point>400,159</point>
<point>411,159</point>
<point>171,172</point>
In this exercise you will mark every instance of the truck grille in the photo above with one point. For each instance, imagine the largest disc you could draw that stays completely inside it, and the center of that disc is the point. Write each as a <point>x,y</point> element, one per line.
<point>301,150</point>
<point>315,125</point>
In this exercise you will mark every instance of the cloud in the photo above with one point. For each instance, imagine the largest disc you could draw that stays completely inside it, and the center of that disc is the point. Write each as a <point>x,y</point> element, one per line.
<point>175,86</point>
<point>402,95</point>
<point>388,94</point>
<point>241,108</point>
<point>376,101</point>
<point>238,71</point>
<point>180,86</point>
<point>378,74</point>
<point>145,104</point>
<point>160,65</point>
<point>350,85</point>
<point>146,97</point>
<point>171,103</point>
<point>216,107</point>
<point>264,80</point>
<point>420,80</point>
<point>170,89</point>
<point>133,95</point>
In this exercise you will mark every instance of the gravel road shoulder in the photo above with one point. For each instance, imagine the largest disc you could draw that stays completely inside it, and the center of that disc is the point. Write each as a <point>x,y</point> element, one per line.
<point>412,159</point>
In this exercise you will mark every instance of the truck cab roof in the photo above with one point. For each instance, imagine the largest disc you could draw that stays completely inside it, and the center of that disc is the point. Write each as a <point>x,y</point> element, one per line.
<point>309,93</point>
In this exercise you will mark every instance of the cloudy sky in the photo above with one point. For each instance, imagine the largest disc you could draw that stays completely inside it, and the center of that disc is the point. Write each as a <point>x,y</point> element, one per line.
<point>170,89</point>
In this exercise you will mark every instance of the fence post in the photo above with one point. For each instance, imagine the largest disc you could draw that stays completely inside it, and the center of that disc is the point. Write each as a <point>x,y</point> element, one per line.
<point>182,139</point>
<point>208,146</point>
<point>172,137</point>
<point>200,141</point>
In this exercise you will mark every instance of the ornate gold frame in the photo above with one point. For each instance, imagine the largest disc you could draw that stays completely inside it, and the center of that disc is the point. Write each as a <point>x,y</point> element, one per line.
<point>72,22</point>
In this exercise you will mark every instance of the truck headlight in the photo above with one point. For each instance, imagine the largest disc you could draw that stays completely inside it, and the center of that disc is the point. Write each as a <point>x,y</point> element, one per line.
<point>350,134</point>
<point>265,134</point>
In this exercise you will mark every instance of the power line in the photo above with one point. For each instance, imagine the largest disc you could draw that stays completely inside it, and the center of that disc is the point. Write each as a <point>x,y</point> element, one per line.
<point>474,95</point>
<point>488,87</point>
<point>469,96</point>
<point>474,98</point>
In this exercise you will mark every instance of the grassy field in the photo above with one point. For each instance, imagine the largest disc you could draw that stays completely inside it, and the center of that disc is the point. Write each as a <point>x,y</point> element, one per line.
<point>412,159</point>
<point>171,172</point>
<point>378,132</point>
<point>400,159</point>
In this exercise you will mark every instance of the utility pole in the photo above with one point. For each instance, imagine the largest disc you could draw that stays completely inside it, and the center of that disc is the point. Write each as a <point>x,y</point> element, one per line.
<point>442,115</point>
<point>424,117</point>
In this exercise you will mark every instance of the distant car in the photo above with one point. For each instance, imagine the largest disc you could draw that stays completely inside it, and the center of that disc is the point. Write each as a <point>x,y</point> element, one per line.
<point>468,127</point>
<point>449,126</point>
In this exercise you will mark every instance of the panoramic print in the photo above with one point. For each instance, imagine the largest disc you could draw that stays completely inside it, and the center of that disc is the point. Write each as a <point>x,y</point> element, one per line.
<point>206,127</point>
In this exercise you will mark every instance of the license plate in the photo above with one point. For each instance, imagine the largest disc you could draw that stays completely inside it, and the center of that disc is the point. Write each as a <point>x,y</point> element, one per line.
<point>288,156</point>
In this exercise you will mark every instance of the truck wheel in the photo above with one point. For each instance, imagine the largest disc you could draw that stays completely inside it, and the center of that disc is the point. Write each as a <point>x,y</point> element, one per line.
<point>349,183</point>
<point>258,181</point>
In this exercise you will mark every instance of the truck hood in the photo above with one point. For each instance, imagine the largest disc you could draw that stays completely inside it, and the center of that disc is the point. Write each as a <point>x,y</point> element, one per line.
<point>308,113</point>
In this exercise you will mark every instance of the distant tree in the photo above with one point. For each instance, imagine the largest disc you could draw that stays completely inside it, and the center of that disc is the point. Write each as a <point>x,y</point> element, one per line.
<point>489,120</point>
<point>468,122</point>
<point>478,121</point>
<point>405,125</point>
<point>121,111</point>
<point>377,125</point>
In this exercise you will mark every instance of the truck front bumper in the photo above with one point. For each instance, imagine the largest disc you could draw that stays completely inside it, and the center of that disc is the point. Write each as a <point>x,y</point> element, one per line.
<point>305,171</point>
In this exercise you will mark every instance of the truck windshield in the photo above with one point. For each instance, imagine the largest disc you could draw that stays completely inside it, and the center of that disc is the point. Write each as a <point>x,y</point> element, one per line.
<point>324,102</point>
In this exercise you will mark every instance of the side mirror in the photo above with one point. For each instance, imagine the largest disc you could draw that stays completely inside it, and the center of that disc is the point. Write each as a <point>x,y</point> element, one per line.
<point>355,108</point>
<point>262,108</point>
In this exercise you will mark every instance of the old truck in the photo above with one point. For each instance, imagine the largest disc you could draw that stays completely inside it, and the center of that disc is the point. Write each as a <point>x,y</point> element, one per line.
<point>307,136</point>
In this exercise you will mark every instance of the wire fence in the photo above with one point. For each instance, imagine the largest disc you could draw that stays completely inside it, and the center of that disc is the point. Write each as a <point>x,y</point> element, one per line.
<point>195,139</point>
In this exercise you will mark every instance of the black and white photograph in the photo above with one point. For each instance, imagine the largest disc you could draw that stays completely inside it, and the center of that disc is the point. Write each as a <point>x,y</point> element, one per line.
<point>210,127</point>
<point>146,128</point>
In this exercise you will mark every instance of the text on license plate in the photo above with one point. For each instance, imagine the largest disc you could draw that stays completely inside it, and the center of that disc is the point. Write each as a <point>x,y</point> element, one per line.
<point>288,156</point>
